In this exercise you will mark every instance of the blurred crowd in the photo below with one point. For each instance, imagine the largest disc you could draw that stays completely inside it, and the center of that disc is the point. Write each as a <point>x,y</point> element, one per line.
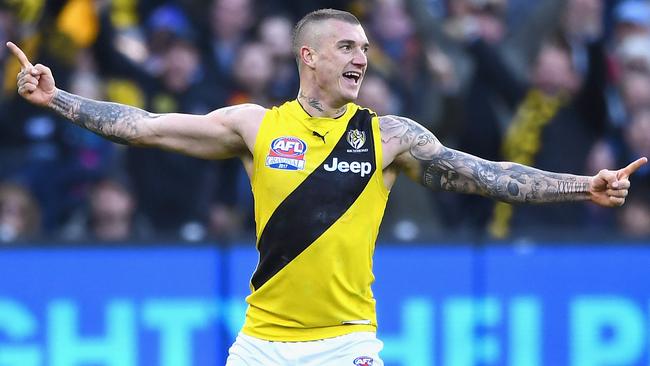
<point>562,85</point>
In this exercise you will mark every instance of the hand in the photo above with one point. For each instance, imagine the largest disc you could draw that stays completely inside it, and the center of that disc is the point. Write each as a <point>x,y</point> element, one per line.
<point>609,187</point>
<point>35,82</point>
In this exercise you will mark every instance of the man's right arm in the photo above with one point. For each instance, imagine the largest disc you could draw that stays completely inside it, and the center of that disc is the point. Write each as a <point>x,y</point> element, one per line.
<point>118,123</point>
<point>216,135</point>
<point>226,132</point>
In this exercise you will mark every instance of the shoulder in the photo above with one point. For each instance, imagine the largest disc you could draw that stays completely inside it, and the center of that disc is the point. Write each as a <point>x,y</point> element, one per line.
<point>241,118</point>
<point>395,125</point>
<point>403,137</point>
<point>241,113</point>
<point>401,131</point>
<point>241,122</point>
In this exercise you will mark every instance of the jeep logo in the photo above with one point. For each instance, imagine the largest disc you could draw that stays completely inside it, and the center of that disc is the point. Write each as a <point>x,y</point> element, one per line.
<point>355,167</point>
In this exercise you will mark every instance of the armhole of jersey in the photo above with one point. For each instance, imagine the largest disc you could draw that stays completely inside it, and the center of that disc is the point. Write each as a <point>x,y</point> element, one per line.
<point>257,152</point>
<point>379,154</point>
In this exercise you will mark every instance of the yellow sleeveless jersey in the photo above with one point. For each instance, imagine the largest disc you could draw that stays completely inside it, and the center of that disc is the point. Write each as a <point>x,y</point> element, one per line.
<point>319,200</point>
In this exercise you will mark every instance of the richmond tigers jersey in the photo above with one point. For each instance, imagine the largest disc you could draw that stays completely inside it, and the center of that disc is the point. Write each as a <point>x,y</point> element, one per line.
<point>319,200</point>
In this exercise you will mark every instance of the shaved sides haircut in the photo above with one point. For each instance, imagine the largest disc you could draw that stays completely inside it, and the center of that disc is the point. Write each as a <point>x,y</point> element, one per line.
<point>314,17</point>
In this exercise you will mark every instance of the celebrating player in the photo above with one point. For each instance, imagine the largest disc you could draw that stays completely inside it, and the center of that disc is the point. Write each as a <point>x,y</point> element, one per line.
<point>321,168</point>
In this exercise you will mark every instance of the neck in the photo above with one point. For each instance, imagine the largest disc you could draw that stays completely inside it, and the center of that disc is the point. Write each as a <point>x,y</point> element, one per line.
<point>318,108</point>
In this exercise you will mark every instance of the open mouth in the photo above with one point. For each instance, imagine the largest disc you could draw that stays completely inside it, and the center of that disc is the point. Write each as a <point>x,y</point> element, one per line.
<point>353,76</point>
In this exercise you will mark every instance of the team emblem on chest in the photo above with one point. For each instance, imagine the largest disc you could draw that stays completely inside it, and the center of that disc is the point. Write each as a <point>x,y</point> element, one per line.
<point>287,153</point>
<point>356,139</point>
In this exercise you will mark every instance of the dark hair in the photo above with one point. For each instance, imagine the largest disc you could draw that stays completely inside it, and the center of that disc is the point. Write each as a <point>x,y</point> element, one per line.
<point>318,16</point>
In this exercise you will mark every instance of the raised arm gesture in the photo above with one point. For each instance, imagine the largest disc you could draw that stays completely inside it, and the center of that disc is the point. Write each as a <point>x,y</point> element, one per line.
<point>609,187</point>
<point>223,133</point>
<point>426,160</point>
<point>35,82</point>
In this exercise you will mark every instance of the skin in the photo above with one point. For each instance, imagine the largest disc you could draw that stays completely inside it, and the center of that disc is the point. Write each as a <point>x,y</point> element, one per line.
<point>329,49</point>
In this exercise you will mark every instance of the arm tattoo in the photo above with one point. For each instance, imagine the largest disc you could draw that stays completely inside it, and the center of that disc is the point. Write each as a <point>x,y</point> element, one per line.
<point>452,170</point>
<point>399,128</point>
<point>116,122</point>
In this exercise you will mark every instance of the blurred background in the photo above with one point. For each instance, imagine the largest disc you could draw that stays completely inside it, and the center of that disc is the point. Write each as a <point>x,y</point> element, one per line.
<point>562,85</point>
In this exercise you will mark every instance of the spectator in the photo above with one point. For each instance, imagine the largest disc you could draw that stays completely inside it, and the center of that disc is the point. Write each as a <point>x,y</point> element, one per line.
<point>557,110</point>
<point>109,216</point>
<point>231,22</point>
<point>631,17</point>
<point>165,24</point>
<point>20,216</point>
<point>377,95</point>
<point>253,72</point>
<point>158,176</point>
<point>637,134</point>
<point>231,202</point>
<point>634,218</point>
<point>275,33</point>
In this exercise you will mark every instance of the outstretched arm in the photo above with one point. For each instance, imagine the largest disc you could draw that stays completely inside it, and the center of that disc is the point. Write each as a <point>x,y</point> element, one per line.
<point>117,122</point>
<point>426,160</point>
<point>219,134</point>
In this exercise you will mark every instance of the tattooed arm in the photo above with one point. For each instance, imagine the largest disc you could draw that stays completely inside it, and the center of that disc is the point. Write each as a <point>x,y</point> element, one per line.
<point>422,157</point>
<point>223,133</point>
<point>118,123</point>
<point>217,135</point>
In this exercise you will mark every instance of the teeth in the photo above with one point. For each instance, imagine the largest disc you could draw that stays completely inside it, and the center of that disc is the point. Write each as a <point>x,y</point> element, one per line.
<point>354,75</point>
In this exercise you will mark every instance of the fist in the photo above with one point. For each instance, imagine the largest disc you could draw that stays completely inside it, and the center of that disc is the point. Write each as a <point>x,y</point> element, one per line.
<point>35,82</point>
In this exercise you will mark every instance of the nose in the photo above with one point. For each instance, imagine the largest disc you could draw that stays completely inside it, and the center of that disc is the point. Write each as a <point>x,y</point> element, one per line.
<point>360,58</point>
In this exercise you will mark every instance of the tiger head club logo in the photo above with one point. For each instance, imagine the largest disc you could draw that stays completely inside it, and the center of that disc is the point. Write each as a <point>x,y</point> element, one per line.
<point>356,139</point>
<point>363,361</point>
<point>287,153</point>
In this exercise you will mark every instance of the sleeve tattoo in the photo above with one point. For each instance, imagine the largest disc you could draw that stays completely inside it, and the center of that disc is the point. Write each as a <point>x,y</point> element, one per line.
<point>451,170</point>
<point>116,122</point>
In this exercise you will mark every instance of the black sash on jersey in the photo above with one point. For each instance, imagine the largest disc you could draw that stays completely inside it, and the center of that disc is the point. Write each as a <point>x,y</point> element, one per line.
<point>316,204</point>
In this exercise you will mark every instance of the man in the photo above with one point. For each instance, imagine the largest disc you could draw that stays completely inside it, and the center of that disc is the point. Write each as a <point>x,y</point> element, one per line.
<point>321,169</point>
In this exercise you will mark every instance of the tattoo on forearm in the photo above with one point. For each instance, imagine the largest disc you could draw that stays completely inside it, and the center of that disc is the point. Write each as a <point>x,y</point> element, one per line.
<point>509,182</point>
<point>114,121</point>
<point>452,170</point>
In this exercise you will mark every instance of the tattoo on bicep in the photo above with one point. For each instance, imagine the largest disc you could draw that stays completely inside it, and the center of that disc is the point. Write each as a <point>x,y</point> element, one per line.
<point>419,141</point>
<point>114,121</point>
<point>398,128</point>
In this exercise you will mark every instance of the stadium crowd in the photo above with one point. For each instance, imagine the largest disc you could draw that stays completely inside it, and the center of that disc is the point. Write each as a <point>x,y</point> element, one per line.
<point>562,85</point>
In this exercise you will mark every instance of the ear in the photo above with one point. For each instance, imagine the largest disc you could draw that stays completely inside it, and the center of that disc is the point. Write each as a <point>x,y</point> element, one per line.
<point>308,56</point>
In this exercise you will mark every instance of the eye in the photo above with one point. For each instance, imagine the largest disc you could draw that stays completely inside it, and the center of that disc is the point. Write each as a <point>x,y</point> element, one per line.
<point>346,47</point>
<point>365,49</point>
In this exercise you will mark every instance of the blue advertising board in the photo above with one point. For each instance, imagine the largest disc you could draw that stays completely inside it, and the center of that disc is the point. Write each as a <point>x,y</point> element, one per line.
<point>110,307</point>
<point>446,305</point>
<point>514,306</point>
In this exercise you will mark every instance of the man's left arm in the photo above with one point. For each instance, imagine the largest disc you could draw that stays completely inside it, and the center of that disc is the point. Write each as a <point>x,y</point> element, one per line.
<point>424,159</point>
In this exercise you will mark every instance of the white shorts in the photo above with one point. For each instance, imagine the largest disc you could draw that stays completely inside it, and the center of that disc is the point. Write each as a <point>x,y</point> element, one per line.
<point>355,349</point>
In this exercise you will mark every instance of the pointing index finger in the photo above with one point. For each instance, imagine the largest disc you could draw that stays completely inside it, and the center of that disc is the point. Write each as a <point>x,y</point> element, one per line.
<point>628,170</point>
<point>24,62</point>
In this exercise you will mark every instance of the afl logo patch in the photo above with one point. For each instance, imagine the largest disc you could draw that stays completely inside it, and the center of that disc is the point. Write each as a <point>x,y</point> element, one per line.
<point>363,361</point>
<point>356,139</point>
<point>287,153</point>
